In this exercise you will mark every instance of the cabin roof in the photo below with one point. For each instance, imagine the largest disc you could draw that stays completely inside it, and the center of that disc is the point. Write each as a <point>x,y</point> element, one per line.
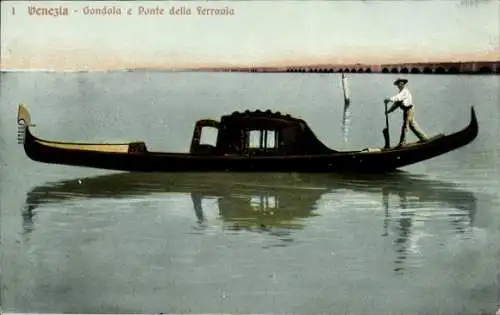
<point>260,118</point>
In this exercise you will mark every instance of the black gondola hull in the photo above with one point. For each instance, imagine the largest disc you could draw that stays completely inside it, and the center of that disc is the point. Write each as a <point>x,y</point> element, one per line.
<point>141,160</point>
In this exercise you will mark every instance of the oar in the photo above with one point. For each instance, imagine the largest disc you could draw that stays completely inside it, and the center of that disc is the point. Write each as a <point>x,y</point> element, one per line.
<point>386,130</point>
<point>345,89</point>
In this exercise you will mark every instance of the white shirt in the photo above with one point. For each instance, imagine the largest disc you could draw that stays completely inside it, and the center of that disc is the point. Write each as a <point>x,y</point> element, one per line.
<point>404,96</point>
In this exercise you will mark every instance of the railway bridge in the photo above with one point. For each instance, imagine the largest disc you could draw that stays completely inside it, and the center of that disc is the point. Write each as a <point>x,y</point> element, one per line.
<point>478,67</point>
<point>486,67</point>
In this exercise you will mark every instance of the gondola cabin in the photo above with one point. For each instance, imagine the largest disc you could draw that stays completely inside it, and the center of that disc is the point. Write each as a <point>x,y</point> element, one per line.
<point>258,133</point>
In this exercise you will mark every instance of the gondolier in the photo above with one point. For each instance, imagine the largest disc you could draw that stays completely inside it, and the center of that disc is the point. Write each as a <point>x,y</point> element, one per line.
<point>404,101</point>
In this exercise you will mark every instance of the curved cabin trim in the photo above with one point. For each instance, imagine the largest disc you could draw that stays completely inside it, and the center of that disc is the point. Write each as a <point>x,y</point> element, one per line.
<point>196,147</point>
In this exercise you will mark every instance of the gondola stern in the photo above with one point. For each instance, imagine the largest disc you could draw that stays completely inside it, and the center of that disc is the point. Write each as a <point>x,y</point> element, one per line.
<point>473,128</point>
<point>466,135</point>
<point>471,131</point>
<point>473,118</point>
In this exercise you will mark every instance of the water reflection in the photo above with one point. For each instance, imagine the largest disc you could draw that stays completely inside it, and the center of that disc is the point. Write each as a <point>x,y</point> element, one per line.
<point>278,204</point>
<point>419,201</point>
<point>275,204</point>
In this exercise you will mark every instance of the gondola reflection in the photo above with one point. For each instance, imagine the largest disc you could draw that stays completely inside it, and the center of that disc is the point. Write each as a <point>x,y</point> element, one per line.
<point>245,201</point>
<point>278,204</point>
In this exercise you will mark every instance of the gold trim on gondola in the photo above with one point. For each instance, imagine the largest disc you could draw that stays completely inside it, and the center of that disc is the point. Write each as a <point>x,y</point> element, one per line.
<point>23,122</point>
<point>23,116</point>
<point>115,148</point>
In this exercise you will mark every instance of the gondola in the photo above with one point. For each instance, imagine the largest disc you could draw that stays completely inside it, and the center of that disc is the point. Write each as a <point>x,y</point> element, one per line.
<point>283,144</point>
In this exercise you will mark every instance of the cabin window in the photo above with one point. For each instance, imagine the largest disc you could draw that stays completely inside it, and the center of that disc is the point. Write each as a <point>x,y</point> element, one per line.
<point>263,139</point>
<point>271,139</point>
<point>264,203</point>
<point>254,141</point>
<point>208,136</point>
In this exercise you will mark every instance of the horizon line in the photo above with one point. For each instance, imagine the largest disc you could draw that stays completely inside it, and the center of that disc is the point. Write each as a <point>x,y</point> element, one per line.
<point>249,68</point>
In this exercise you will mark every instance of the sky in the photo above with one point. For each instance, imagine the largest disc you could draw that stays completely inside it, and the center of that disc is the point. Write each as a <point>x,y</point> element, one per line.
<point>259,33</point>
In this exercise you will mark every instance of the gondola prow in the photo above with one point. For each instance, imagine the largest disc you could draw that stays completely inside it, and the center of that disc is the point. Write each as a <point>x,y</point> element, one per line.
<point>23,122</point>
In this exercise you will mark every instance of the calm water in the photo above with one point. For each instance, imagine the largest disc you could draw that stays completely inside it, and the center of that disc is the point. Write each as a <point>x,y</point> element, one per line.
<point>423,241</point>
